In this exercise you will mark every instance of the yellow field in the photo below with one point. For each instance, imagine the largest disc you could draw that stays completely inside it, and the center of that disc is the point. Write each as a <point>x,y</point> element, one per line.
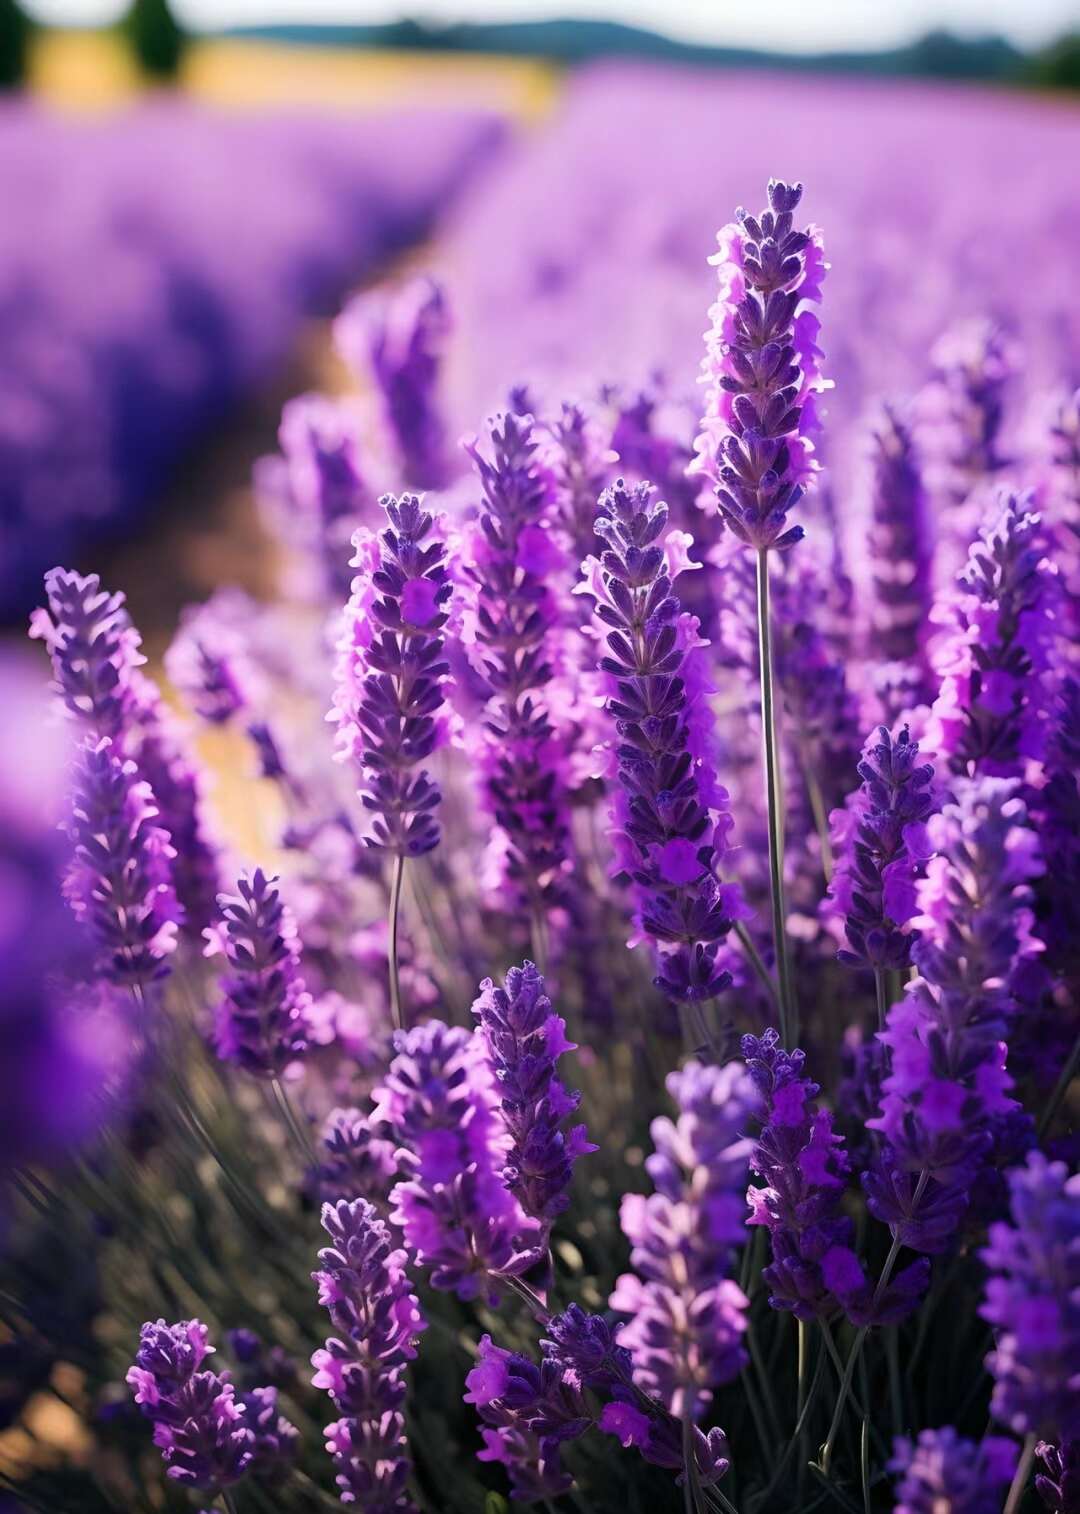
<point>82,70</point>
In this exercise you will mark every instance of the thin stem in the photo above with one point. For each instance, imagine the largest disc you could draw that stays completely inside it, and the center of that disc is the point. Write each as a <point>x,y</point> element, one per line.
<point>881,994</point>
<point>789,1023</point>
<point>228,1500</point>
<point>754,957</point>
<point>815,1384</point>
<point>1061,1088</point>
<point>691,1488</point>
<point>392,949</point>
<point>864,1464</point>
<point>1023,1472</point>
<point>301,1137</point>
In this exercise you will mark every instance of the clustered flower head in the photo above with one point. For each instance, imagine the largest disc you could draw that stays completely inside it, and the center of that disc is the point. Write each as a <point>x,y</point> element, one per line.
<point>261,1021</point>
<point>992,654</point>
<point>943,1473</point>
<point>814,1268</point>
<point>1032,1302</point>
<point>884,826</point>
<point>947,1082</point>
<point>965,406</point>
<point>670,811</point>
<point>512,618</point>
<point>356,1162</point>
<point>900,545</point>
<point>209,1437</point>
<point>456,1212</point>
<point>363,1283</point>
<point>525,1039</point>
<point>391,674</point>
<point>579,462</point>
<point>685,1316</point>
<point>762,370</point>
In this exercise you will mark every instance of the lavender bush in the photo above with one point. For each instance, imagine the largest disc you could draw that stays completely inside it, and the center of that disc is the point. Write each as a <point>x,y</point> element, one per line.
<point>657,976</point>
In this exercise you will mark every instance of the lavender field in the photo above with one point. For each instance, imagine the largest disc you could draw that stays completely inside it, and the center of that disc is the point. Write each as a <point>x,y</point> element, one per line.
<point>573,999</point>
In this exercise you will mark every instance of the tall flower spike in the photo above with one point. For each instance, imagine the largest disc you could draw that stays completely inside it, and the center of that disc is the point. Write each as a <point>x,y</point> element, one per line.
<point>580,466</point>
<point>261,1022</point>
<point>363,1283</point>
<point>670,812</point>
<point>814,1268</point>
<point>119,882</point>
<point>513,611</point>
<point>454,1209</point>
<point>886,841</point>
<point>900,546</point>
<point>686,1317</point>
<point>992,654</point>
<point>1033,1303</point>
<point>947,1084</point>
<point>525,1039</point>
<point>357,1163</point>
<point>404,339</point>
<point>1063,502</point>
<point>762,370</point>
<point>391,674</point>
<point>942,1473</point>
<point>963,408</point>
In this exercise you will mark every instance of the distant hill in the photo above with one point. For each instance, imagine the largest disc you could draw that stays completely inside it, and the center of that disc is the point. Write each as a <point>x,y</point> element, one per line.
<point>937,55</point>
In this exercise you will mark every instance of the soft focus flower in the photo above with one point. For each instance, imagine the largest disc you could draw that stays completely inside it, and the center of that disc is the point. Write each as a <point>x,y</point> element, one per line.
<point>1059,1484</point>
<point>900,546</point>
<point>686,1317</point>
<point>261,1021</point>
<point>356,1163</point>
<point>525,1038</point>
<point>390,675</point>
<point>942,1473</point>
<point>762,370</point>
<point>669,802</point>
<point>1033,1303</point>
<point>363,1283</point>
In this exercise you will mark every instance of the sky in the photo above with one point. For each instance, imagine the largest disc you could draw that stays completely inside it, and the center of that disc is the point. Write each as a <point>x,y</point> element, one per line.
<point>794,25</point>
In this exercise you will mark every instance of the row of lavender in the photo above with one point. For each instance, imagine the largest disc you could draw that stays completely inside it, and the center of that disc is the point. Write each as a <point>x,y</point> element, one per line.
<point>680,721</point>
<point>156,266</point>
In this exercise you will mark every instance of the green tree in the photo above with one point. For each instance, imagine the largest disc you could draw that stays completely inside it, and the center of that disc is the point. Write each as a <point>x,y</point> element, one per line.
<point>1058,66</point>
<point>14,43</point>
<point>156,37</point>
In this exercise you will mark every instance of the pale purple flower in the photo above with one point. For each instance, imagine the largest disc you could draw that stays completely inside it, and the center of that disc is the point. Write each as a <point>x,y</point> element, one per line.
<point>943,1473</point>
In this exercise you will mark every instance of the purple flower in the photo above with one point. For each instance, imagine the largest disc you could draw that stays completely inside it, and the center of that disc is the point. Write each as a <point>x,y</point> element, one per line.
<point>1059,1485</point>
<point>942,1473</point>
<point>947,1077</point>
<point>276,1439</point>
<point>963,409</point>
<point>511,621</point>
<point>814,1268</point>
<point>391,673</point>
<point>686,1318</point>
<point>762,372</point>
<point>874,882</point>
<point>457,1214</point>
<point>208,664</point>
<point>900,545</point>
<point>580,467</point>
<point>671,817</point>
<point>992,654</point>
<point>357,1162</point>
<point>363,1283</point>
<point>1032,1301</point>
<point>404,338</point>
<point>525,1039</point>
<point>119,882</point>
<point>529,1412</point>
<point>261,1020</point>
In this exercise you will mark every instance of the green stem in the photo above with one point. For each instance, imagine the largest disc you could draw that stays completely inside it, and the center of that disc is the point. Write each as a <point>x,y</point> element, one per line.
<point>1020,1481</point>
<point>881,995</point>
<point>789,1023</point>
<point>392,948</point>
<point>1061,1088</point>
<point>815,1383</point>
<point>753,956</point>
<point>301,1137</point>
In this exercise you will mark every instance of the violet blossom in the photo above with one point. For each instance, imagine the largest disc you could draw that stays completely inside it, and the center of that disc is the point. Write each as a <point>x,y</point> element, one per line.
<point>1032,1301</point>
<point>900,545</point>
<point>525,1039</point>
<point>261,1021</point>
<point>943,1473</point>
<point>762,370</point>
<point>1058,1485</point>
<point>356,1162</point>
<point>391,673</point>
<point>670,812</point>
<point>363,1283</point>
<point>685,1316</point>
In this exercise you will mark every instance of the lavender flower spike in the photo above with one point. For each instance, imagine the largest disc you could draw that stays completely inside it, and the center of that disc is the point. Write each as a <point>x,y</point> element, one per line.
<point>391,673</point>
<point>261,1020</point>
<point>900,545</point>
<point>942,1473</point>
<point>1033,1302</point>
<point>119,884</point>
<point>94,649</point>
<point>363,1283</point>
<point>670,812</point>
<point>762,370</point>
<point>686,1318</point>
<point>874,882</point>
<point>525,1039</point>
<point>1059,1485</point>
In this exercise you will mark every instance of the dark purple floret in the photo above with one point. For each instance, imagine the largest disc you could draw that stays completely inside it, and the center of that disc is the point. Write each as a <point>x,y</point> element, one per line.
<point>1059,1485</point>
<point>357,1163</point>
<point>261,1022</point>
